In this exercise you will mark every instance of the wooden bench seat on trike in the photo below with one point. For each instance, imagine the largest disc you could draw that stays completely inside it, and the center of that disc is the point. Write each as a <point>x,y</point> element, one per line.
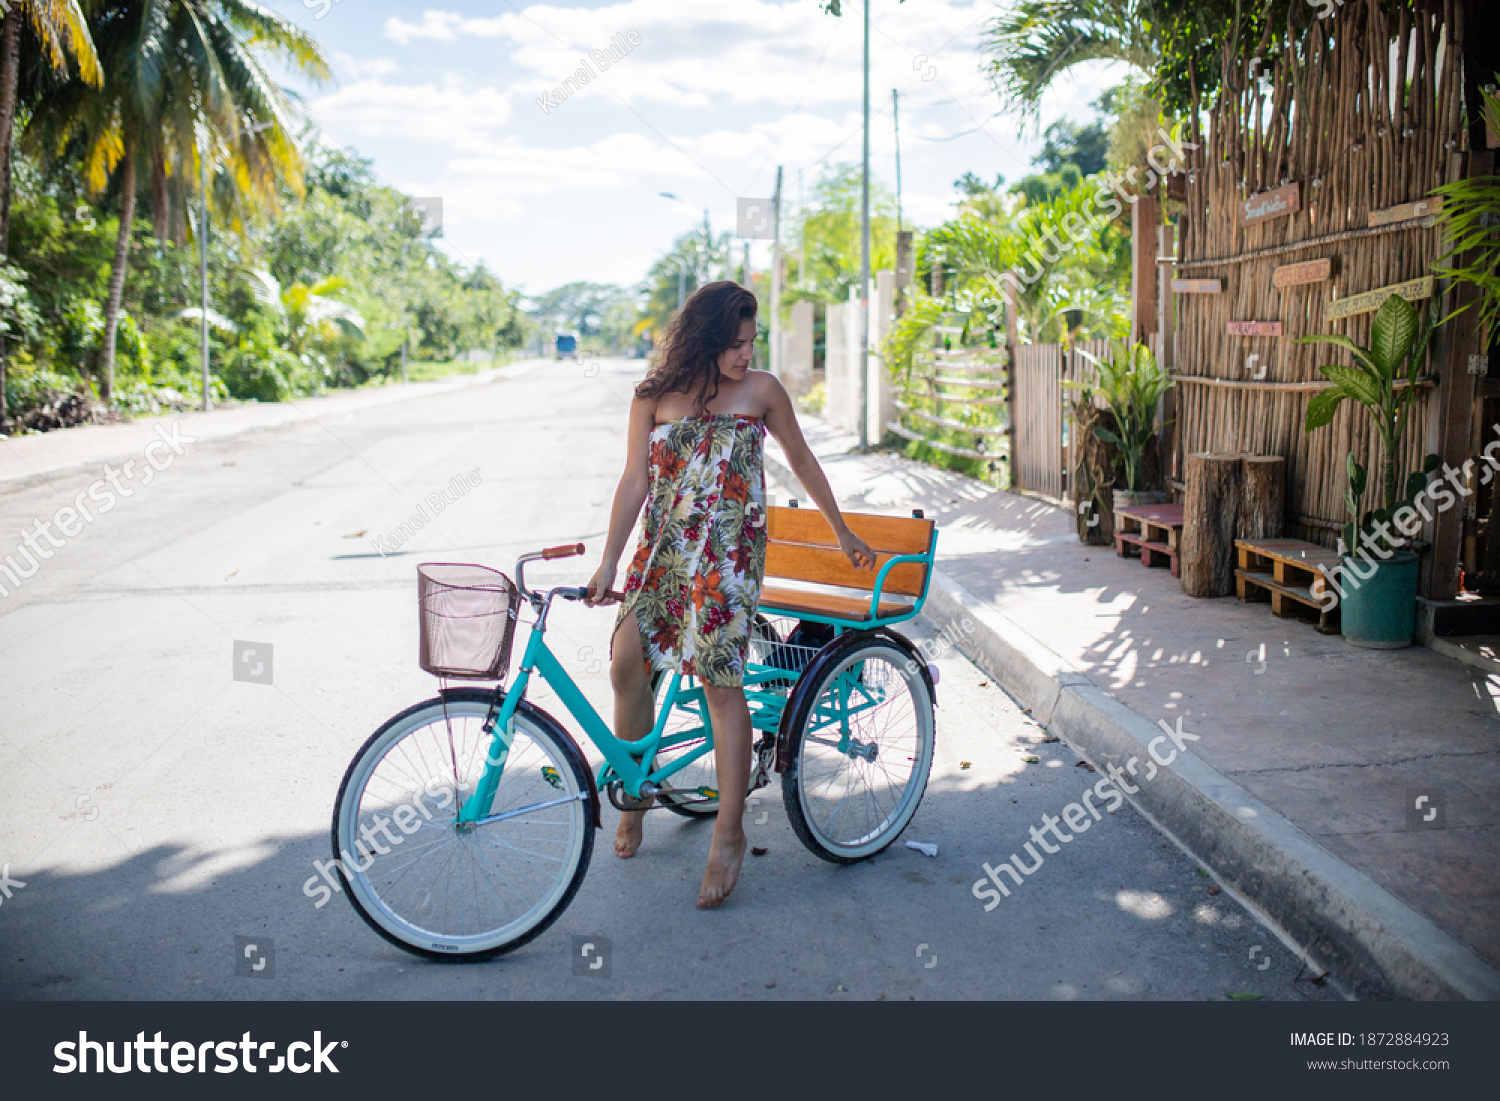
<point>805,569</point>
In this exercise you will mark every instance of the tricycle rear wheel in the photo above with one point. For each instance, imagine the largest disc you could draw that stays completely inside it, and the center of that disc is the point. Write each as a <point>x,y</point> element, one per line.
<point>863,735</point>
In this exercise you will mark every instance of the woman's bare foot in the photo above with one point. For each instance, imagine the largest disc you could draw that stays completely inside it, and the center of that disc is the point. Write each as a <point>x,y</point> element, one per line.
<point>628,837</point>
<point>725,855</point>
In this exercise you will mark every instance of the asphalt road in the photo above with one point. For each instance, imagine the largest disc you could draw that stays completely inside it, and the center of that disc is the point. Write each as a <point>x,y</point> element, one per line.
<point>156,808</point>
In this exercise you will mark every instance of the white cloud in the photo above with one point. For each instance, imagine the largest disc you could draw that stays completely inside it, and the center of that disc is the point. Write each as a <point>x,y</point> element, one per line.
<point>713,98</point>
<point>435,24</point>
<point>357,69</point>
<point>422,112</point>
<point>742,51</point>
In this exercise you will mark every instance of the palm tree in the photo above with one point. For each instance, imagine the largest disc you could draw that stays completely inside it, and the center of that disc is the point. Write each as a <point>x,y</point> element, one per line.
<point>310,313</point>
<point>1031,44</point>
<point>60,27</point>
<point>63,34</point>
<point>183,79</point>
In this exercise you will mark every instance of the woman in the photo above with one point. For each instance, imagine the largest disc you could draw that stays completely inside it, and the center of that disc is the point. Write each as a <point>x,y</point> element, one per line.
<point>692,589</point>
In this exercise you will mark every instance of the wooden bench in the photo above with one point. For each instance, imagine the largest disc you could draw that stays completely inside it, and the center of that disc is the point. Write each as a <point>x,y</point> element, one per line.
<point>1288,572</point>
<point>1155,529</point>
<point>805,568</point>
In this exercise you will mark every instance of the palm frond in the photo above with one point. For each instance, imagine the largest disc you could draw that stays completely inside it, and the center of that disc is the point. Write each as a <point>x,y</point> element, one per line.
<point>63,30</point>
<point>1036,40</point>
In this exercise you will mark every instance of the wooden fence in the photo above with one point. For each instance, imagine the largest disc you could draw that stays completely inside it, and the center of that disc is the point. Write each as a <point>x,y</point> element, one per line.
<point>1045,449</point>
<point>955,401</point>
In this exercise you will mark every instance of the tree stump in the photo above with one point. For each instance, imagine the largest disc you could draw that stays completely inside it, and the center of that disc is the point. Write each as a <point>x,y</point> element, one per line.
<point>1094,478</point>
<point>1262,497</point>
<point>1209,512</point>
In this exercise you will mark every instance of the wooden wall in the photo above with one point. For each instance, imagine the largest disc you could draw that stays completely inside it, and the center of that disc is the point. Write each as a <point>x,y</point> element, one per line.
<point>1334,124</point>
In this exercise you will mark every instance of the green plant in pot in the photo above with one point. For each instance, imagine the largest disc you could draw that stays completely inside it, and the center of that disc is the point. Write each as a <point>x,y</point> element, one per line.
<point>1132,384</point>
<point>1378,579</point>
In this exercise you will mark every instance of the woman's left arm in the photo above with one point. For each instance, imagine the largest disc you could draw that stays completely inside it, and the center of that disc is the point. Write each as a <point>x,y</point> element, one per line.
<point>781,421</point>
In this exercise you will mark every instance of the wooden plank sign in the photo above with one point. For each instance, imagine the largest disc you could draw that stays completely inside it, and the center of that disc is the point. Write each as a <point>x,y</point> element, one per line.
<point>1413,290</point>
<point>1255,328</point>
<point>1405,212</point>
<point>1309,271</point>
<point>1197,286</point>
<point>1276,203</point>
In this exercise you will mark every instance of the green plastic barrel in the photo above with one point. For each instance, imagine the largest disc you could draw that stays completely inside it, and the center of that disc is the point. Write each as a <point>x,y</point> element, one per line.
<point>1381,614</point>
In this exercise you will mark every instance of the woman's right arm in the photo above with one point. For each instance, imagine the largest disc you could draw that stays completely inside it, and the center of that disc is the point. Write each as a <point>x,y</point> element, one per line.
<point>630,494</point>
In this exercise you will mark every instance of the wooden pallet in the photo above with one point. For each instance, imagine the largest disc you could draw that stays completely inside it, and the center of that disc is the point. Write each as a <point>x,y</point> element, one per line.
<point>1155,530</point>
<point>1287,572</point>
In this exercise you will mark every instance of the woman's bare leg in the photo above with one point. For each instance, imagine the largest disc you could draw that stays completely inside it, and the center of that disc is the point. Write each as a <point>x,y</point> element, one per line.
<point>732,737</point>
<point>633,715</point>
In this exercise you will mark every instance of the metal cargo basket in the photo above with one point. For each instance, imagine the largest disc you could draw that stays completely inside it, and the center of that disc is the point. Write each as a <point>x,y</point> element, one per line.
<point>468,619</point>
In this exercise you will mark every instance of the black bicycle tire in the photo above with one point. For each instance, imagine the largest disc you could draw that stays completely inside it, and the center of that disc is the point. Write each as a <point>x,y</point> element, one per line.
<point>800,706</point>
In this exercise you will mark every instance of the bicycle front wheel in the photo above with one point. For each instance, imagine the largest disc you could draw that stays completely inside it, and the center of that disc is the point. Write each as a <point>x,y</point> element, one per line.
<point>862,721</point>
<point>446,890</point>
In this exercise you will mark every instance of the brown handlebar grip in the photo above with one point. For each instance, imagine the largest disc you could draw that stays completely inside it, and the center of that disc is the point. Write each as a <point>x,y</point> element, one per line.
<point>572,550</point>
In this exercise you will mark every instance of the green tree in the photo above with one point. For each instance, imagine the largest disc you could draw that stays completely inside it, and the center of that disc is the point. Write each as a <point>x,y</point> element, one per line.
<point>584,308</point>
<point>59,28</point>
<point>178,73</point>
<point>1179,46</point>
<point>1032,43</point>
<point>1084,147</point>
<point>829,233</point>
<point>687,265</point>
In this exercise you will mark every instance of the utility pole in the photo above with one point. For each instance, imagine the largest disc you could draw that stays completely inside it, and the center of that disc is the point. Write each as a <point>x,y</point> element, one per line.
<point>708,251</point>
<point>203,261</point>
<point>903,235</point>
<point>896,118</point>
<point>863,371</point>
<point>775,328</point>
<point>802,238</point>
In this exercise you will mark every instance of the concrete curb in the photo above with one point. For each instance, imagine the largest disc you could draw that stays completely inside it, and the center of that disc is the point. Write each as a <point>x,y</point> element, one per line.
<point>1448,648</point>
<point>1333,915</point>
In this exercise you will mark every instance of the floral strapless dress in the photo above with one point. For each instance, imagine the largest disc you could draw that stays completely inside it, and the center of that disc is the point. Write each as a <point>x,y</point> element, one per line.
<point>694,583</point>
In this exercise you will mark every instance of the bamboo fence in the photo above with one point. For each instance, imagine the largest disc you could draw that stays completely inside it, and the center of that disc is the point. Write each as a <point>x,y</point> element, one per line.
<point>1334,120</point>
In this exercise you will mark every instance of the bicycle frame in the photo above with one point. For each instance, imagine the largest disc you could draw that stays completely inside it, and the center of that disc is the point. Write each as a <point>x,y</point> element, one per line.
<point>630,761</point>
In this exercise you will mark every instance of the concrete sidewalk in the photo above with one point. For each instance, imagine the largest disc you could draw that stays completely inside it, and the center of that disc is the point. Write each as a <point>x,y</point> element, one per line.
<point>25,459</point>
<point>1310,752</point>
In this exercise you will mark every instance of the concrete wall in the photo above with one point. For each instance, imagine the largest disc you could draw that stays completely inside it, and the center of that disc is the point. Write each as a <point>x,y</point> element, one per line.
<point>840,358</point>
<point>797,349</point>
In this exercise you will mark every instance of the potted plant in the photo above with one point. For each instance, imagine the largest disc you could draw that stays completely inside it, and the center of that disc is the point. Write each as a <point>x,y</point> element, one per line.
<point>1131,384</point>
<point>1378,579</point>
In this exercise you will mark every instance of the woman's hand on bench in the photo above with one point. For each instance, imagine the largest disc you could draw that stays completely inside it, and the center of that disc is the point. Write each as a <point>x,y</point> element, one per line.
<point>856,550</point>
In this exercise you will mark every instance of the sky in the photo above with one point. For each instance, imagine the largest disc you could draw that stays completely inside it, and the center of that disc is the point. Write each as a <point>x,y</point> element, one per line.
<point>699,99</point>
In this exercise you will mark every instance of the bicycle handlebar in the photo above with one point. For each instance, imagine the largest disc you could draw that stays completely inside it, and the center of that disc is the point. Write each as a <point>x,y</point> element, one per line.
<point>582,593</point>
<point>570,550</point>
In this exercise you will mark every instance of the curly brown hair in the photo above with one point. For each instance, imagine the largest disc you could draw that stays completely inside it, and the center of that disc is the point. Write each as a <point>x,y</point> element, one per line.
<point>687,360</point>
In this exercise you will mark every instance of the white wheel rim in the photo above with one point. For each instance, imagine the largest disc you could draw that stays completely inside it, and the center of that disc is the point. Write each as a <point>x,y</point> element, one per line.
<point>452,892</point>
<point>853,806</point>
